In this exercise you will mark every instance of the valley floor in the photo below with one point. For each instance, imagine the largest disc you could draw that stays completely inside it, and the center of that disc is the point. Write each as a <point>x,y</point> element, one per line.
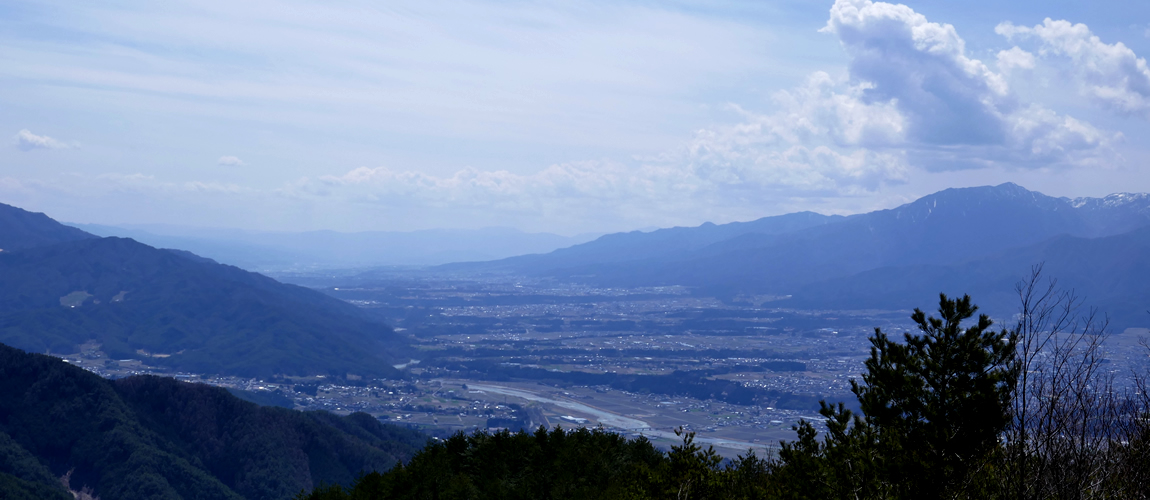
<point>508,352</point>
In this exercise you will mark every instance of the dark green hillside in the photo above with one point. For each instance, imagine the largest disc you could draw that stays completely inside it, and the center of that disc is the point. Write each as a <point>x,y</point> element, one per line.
<point>137,300</point>
<point>22,476</point>
<point>21,229</point>
<point>560,464</point>
<point>151,438</point>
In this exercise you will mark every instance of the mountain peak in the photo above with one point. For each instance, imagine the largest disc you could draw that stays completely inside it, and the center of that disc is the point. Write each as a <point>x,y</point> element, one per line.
<point>1011,190</point>
<point>1010,186</point>
<point>1006,196</point>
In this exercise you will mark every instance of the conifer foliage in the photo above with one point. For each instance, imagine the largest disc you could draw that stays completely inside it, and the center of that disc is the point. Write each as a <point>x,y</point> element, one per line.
<point>941,397</point>
<point>933,407</point>
<point>559,464</point>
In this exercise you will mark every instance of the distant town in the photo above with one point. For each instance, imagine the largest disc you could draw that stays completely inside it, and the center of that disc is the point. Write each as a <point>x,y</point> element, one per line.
<point>512,353</point>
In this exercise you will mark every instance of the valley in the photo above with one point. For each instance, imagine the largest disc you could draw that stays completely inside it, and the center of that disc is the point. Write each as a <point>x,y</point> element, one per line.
<point>501,351</point>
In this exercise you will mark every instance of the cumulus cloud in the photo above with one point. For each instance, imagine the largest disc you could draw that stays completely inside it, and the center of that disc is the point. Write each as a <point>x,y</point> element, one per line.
<point>952,105</point>
<point>824,138</point>
<point>1112,74</point>
<point>945,96</point>
<point>230,161</point>
<point>1015,58</point>
<point>25,140</point>
<point>836,111</point>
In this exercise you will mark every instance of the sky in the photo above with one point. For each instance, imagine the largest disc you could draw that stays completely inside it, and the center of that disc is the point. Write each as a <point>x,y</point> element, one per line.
<point>566,117</point>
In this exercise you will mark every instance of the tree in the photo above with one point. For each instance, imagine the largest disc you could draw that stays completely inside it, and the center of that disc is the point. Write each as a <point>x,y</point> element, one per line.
<point>932,406</point>
<point>1067,411</point>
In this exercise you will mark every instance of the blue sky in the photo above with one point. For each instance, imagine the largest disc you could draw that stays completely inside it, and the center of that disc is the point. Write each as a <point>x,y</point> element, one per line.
<point>565,117</point>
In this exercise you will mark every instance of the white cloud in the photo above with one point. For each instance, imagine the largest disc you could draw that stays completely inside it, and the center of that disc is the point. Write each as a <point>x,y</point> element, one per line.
<point>1014,58</point>
<point>25,140</point>
<point>230,161</point>
<point>946,97</point>
<point>823,139</point>
<point>957,112</point>
<point>825,108</point>
<point>1111,74</point>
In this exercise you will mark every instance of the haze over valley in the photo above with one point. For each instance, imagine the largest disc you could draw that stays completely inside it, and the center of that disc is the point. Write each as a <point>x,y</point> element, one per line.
<point>853,249</point>
<point>735,330</point>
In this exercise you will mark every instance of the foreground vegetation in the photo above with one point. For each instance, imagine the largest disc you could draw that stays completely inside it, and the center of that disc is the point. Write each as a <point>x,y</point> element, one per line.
<point>955,410</point>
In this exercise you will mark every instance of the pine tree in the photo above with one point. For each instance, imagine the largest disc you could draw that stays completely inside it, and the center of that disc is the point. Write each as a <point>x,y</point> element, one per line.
<point>932,406</point>
<point>941,398</point>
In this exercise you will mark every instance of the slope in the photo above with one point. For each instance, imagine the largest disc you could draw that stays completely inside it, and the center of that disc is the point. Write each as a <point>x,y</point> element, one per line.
<point>1112,273</point>
<point>948,226</point>
<point>154,438</point>
<point>661,245</point>
<point>21,229</point>
<point>183,312</point>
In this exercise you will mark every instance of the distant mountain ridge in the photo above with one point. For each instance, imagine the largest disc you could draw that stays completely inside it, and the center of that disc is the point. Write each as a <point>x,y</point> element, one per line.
<point>177,310</point>
<point>918,232</point>
<point>278,251</point>
<point>664,244</point>
<point>809,255</point>
<point>1115,213</point>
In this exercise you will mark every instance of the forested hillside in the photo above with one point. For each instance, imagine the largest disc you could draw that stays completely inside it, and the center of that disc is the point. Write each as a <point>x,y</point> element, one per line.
<point>175,309</point>
<point>148,437</point>
<point>23,229</point>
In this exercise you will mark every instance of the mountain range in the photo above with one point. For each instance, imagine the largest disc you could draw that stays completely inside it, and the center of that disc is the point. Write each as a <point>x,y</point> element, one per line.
<point>981,239</point>
<point>61,287</point>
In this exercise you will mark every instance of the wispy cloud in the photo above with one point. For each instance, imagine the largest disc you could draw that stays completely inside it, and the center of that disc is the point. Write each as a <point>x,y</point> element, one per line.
<point>643,110</point>
<point>25,140</point>
<point>547,72</point>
